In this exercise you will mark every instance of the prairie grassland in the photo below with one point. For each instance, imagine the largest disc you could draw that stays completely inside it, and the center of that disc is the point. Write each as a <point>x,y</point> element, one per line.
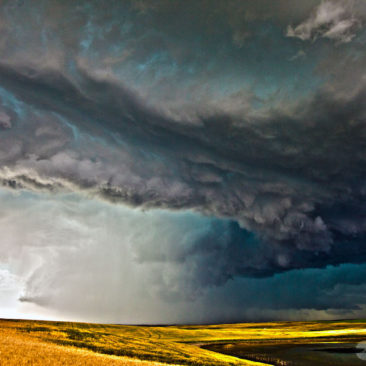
<point>20,349</point>
<point>92,344</point>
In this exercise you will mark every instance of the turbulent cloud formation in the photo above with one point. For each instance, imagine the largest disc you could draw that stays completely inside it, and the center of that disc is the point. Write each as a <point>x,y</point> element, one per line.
<point>95,261</point>
<point>213,109</point>
<point>333,20</point>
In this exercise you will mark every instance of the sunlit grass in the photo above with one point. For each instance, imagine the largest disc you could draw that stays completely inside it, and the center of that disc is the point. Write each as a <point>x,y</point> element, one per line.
<point>18,349</point>
<point>64,343</point>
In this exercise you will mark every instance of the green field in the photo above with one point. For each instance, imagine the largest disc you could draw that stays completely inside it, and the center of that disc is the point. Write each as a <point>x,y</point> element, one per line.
<point>279,343</point>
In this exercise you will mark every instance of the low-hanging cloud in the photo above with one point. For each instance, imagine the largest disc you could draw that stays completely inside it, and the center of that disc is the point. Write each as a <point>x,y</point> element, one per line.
<point>131,109</point>
<point>81,259</point>
<point>279,181</point>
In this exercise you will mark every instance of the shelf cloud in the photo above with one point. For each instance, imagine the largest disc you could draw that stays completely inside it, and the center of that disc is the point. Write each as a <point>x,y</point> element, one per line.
<point>229,120</point>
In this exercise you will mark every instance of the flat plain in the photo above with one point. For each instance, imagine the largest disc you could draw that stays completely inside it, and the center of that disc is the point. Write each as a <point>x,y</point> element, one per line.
<point>26,342</point>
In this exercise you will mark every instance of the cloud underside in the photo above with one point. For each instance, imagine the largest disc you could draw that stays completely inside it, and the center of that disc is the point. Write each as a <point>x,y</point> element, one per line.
<point>169,269</point>
<point>155,114</point>
<point>294,178</point>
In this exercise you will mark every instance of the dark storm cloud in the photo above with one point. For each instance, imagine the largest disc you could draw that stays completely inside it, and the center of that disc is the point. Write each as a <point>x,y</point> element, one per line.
<point>296,168</point>
<point>172,268</point>
<point>335,20</point>
<point>151,126</point>
<point>336,292</point>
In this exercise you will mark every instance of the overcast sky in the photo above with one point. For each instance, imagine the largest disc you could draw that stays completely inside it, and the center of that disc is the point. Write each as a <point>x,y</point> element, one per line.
<point>182,161</point>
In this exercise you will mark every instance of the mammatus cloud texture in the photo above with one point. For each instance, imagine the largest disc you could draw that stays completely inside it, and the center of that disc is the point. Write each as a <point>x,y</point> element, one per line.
<point>212,147</point>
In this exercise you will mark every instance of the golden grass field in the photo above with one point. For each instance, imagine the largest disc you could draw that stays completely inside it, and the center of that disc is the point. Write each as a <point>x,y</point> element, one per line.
<point>24,342</point>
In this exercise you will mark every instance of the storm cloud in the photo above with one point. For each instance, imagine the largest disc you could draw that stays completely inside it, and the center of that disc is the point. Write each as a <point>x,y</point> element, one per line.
<point>331,19</point>
<point>196,107</point>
